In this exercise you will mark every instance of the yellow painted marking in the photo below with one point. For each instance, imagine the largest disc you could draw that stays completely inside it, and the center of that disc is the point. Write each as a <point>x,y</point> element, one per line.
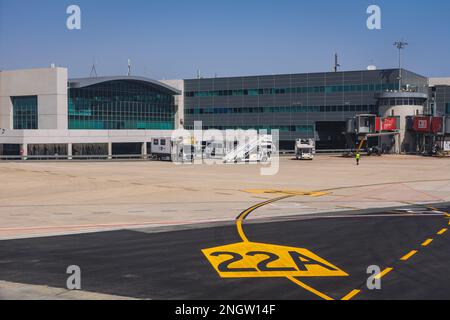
<point>310,289</point>
<point>409,255</point>
<point>259,260</point>
<point>289,192</point>
<point>383,273</point>
<point>244,214</point>
<point>427,242</point>
<point>351,295</point>
<point>442,231</point>
<point>303,258</point>
<point>241,231</point>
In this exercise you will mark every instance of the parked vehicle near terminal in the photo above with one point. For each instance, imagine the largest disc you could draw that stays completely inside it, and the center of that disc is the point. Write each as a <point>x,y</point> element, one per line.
<point>374,151</point>
<point>305,149</point>
<point>259,148</point>
<point>161,148</point>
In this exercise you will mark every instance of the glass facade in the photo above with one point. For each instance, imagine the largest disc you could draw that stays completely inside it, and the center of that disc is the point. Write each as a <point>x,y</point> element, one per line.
<point>296,90</point>
<point>402,102</point>
<point>447,108</point>
<point>25,113</point>
<point>121,105</point>
<point>47,150</point>
<point>304,129</point>
<point>280,109</point>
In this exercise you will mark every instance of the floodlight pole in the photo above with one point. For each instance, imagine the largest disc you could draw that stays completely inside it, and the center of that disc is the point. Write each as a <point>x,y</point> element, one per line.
<point>400,46</point>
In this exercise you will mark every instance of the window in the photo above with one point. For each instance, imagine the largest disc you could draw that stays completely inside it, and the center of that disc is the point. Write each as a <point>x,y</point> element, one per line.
<point>155,142</point>
<point>25,113</point>
<point>295,90</point>
<point>447,109</point>
<point>121,105</point>
<point>279,109</point>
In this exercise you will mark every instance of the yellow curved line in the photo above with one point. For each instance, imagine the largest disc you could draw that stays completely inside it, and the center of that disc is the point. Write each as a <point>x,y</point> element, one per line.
<point>239,225</point>
<point>241,231</point>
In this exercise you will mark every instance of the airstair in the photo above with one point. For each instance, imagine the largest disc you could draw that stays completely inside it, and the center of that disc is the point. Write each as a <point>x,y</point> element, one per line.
<point>256,149</point>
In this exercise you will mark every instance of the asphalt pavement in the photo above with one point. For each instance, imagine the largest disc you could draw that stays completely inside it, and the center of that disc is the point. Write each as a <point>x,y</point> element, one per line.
<point>311,258</point>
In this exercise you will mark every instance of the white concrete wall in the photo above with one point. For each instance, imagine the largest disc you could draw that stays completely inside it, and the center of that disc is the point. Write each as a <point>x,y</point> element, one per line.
<point>439,81</point>
<point>179,101</point>
<point>402,111</point>
<point>6,111</point>
<point>49,84</point>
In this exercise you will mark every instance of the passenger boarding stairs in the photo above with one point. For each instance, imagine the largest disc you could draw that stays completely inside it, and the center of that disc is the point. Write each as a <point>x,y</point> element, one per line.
<point>256,149</point>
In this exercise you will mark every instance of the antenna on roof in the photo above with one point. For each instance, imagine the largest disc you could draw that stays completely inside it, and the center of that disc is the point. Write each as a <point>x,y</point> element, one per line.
<point>129,67</point>
<point>336,62</point>
<point>93,73</point>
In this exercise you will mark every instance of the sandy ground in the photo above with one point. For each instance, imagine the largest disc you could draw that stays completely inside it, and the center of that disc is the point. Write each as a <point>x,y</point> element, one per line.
<point>39,198</point>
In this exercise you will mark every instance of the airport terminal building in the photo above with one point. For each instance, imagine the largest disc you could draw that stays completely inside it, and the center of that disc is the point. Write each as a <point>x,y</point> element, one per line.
<point>313,105</point>
<point>43,112</point>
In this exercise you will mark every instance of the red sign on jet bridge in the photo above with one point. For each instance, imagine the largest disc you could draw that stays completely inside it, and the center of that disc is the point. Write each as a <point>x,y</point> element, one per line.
<point>389,124</point>
<point>437,125</point>
<point>422,124</point>
<point>386,124</point>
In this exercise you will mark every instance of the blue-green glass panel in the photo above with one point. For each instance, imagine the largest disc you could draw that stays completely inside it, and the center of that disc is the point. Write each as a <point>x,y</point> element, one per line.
<point>25,113</point>
<point>120,105</point>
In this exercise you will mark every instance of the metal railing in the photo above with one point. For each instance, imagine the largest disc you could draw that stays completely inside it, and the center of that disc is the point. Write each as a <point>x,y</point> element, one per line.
<point>76,157</point>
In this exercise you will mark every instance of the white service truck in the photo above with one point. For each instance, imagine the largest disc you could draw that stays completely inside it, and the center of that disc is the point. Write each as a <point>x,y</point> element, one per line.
<point>161,148</point>
<point>305,149</point>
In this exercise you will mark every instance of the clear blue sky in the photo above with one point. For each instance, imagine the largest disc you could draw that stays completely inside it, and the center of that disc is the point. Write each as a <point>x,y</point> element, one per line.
<point>173,38</point>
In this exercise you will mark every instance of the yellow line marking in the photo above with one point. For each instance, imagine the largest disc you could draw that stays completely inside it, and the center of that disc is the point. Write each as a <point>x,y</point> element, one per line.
<point>310,289</point>
<point>288,192</point>
<point>244,214</point>
<point>442,231</point>
<point>383,273</point>
<point>427,242</point>
<point>241,231</point>
<point>351,295</point>
<point>409,255</point>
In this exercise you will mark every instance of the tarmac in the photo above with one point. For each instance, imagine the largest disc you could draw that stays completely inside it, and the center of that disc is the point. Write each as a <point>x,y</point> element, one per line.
<point>40,198</point>
<point>155,230</point>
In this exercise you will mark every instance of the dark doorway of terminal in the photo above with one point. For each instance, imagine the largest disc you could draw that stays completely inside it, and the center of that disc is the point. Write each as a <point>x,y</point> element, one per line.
<point>287,145</point>
<point>330,135</point>
<point>126,149</point>
<point>46,151</point>
<point>86,151</point>
<point>10,150</point>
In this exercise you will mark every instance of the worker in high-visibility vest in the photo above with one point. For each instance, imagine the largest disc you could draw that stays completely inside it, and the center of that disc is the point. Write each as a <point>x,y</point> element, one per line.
<point>358,157</point>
